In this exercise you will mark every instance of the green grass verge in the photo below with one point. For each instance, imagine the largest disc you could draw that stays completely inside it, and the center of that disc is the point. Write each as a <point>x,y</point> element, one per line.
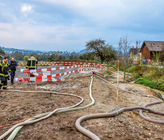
<point>156,84</point>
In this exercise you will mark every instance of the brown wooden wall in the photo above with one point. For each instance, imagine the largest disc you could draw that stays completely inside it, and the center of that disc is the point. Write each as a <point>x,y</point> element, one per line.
<point>145,52</point>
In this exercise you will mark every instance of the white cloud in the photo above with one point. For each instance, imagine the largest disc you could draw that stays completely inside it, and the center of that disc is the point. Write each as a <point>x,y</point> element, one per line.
<point>25,33</point>
<point>107,19</point>
<point>111,12</point>
<point>26,7</point>
<point>98,9</point>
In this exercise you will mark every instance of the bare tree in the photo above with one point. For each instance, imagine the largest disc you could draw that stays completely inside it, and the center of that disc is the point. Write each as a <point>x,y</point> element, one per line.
<point>124,53</point>
<point>138,46</point>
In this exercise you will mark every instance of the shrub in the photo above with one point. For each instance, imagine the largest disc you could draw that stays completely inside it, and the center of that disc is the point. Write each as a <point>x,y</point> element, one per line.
<point>136,75</point>
<point>161,87</point>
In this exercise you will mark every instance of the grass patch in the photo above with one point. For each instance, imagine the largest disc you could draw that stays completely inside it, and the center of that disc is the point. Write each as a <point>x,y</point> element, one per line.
<point>152,83</point>
<point>136,75</point>
<point>115,66</point>
<point>109,72</point>
<point>147,82</point>
<point>149,76</point>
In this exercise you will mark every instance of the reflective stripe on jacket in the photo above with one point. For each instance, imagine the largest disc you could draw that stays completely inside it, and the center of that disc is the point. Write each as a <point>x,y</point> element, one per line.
<point>1,74</point>
<point>4,69</point>
<point>31,62</point>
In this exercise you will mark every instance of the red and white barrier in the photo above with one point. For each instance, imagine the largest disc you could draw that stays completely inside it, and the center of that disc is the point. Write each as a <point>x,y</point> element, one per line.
<point>66,73</point>
<point>49,77</point>
<point>77,63</point>
<point>59,63</point>
<point>51,69</point>
<point>38,79</point>
<point>46,72</point>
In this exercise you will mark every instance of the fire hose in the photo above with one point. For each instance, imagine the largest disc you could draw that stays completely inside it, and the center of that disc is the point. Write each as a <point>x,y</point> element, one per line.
<point>115,113</point>
<point>112,114</point>
<point>15,129</point>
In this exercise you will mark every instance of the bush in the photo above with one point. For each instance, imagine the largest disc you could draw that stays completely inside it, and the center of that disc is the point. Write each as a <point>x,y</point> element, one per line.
<point>121,69</point>
<point>136,75</point>
<point>135,68</point>
<point>26,58</point>
<point>161,87</point>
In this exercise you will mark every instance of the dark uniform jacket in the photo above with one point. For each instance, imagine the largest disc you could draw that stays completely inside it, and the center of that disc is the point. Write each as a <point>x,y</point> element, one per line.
<point>4,69</point>
<point>13,65</point>
<point>31,62</point>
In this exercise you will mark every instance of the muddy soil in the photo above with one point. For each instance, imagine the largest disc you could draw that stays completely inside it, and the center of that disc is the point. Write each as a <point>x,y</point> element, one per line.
<point>127,126</point>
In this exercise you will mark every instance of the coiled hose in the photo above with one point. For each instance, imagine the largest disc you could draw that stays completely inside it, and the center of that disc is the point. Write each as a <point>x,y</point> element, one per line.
<point>112,114</point>
<point>15,129</point>
<point>115,113</point>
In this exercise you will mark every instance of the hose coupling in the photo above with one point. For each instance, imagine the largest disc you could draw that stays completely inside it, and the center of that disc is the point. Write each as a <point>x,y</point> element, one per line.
<point>116,112</point>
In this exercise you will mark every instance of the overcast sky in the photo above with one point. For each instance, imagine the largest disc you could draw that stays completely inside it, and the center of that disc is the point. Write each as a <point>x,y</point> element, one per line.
<point>68,24</point>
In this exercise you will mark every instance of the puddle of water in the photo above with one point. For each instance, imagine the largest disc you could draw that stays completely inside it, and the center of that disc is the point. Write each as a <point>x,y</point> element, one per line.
<point>44,87</point>
<point>57,87</point>
<point>89,71</point>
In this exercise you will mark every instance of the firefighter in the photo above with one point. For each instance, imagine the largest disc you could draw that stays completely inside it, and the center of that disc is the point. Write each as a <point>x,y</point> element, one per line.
<point>1,75</point>
<point>31,64</point>
<point>13,66</point>
<point>4,70</point>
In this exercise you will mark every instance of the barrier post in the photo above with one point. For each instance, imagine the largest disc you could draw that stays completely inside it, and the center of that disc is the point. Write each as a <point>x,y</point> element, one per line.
<point>94,66</point>
<point>117,81</point>
<point>35,75</point>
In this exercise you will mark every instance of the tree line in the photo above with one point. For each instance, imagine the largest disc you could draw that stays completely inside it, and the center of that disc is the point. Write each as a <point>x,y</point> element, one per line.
<point>97,50</point>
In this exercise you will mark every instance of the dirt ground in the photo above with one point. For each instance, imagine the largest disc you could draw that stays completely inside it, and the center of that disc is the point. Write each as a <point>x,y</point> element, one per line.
<point>16,106</point>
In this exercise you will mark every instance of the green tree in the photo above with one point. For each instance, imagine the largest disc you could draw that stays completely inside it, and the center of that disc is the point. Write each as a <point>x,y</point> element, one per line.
<point>2,53</point>
<point>86,56</point>
<point>72,56</point>
<point>18,56</point>
<point>162,56</point>
<point>101,50</point>
<point>25,58</point>
<point>43,57</point>
<point>110,53</point>
<point>156,55</point>
<point>96,46</point>
<point>60,57</point>
<point>51,58</point>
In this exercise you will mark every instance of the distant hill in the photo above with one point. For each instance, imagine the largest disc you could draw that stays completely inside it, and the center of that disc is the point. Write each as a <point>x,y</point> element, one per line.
<point>13,50</point>
<point>83,51</point>
<point>19,50</point>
